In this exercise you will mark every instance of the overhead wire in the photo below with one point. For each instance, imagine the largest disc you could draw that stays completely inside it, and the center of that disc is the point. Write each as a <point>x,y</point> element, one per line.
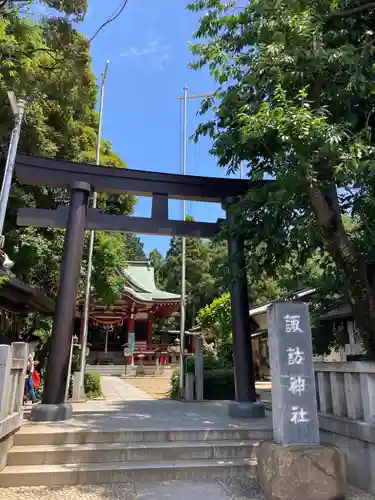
<point>111,18</point>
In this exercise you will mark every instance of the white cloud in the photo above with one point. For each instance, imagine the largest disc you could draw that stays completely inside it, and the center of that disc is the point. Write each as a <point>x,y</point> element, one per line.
<point>155,52</point>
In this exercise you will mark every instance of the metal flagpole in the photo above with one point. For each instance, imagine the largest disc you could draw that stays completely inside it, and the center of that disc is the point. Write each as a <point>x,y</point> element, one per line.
<point>18,108</point>
<point>91,244</point>
<point>185,98</point>
<point>183,258</point>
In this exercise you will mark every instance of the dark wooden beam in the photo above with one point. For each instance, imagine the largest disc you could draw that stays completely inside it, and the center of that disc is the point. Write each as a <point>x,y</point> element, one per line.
<point>118,223</point>
<point>62,174</point>
<point>160,207</point>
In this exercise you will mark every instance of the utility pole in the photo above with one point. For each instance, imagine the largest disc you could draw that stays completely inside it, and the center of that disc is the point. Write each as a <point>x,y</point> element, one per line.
<point>91,245</point>
<point>184,98</point>
<point>18,108</point>
<point>241,170</point>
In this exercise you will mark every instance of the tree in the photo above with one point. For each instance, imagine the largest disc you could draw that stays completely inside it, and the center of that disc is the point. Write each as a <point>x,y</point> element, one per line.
<point>75,8</point>
<point>199,283</point>
<point>134,248</point>
<point>49,62</point>
<point>157,263</point>
<point>217,318</point>
<point>295,102</point>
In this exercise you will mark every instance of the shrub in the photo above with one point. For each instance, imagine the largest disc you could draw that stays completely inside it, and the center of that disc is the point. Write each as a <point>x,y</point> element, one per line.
<point>92,385</point>
<point>210,362</point>
<point>175,384</point>
<point>189,364</point>
<point>225,352</point>
<point>218,384</point>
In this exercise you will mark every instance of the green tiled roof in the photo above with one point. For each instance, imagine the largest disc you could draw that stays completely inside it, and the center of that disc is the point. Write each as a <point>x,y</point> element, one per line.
<point>140,277</point>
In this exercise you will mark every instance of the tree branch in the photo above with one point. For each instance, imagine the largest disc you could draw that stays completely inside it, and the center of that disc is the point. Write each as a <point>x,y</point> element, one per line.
<point>349,12</point>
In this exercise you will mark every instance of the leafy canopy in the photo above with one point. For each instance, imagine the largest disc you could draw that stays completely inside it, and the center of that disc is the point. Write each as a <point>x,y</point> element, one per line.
<point>295,102</point>
<point>47,62</point>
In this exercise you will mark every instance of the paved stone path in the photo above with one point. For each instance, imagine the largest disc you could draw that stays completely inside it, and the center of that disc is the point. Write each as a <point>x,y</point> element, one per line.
<point>116,389</point>
<point>148,415</point>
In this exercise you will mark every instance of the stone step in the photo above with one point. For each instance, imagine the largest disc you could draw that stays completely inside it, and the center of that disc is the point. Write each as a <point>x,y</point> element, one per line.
<point>50,435</point>
<point>122,472</point>
<point>128,452</point>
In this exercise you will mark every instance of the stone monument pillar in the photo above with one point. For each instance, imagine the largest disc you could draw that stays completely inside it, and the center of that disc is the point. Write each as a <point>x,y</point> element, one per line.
<point>296,466</point>
<point>295,414</point>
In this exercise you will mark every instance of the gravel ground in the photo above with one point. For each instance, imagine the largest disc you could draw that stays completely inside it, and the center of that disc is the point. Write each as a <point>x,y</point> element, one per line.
<point>156,387</point>
<point>181,490</point>
<point>159,387</point>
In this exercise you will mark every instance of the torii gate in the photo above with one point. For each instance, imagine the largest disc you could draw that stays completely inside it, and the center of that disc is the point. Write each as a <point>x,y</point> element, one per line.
<point>82,179</point>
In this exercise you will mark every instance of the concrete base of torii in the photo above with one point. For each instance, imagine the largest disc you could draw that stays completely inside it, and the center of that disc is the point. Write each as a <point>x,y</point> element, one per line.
<point>51,413</point>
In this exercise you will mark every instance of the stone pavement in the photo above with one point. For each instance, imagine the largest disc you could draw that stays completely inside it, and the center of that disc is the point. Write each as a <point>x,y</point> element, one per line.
<point>116,389</point>
<point>220,489</point>
<point>125,407</point>
<point>147,415</point>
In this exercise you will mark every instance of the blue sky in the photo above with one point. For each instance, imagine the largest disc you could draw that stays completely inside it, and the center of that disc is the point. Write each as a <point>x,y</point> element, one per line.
<point>148,52</point>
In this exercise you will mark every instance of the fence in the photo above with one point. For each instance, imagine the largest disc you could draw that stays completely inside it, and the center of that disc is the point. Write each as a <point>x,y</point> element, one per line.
<point>346,405</point>
<point>13,362</point>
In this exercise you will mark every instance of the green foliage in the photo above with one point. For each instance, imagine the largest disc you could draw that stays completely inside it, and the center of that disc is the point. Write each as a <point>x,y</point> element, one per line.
<point>109,253</point>
<point>216,317</point>
<point>69,7</point>
<point>218,384</point>
<point>210,362</point>
<point>200,287</point>
<point>93,388</point>
<point>48,62</point>
<point>217,372</point>
<point>3,280</point>
<point>157,262</point>
<point>225,352</point>
<point>295,103</point>
<point>134,248</point>
<point>175,384</point>
<point>44,332</point>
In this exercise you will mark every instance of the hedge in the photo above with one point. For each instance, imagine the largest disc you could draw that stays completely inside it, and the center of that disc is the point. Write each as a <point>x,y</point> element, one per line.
<point>218,384</point>
<point>210,362</point>
<point>93,388</point>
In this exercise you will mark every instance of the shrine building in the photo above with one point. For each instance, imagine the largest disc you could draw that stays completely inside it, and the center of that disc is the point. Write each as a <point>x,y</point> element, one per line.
<point>141,303</point>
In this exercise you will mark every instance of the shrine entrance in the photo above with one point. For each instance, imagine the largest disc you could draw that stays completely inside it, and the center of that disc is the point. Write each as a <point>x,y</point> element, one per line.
<point>82,180</point>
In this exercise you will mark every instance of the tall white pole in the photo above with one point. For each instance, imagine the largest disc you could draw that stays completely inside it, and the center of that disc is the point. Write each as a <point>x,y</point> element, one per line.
<point>241,170</point>
<point>183,256</point>
<point>185,98</point>
<point>91,245</point>
<point>69,371</point>
<point>18,108</point>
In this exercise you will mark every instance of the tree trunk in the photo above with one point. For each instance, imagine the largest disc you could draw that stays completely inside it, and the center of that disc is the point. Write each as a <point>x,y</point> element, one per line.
<point>357,272</point>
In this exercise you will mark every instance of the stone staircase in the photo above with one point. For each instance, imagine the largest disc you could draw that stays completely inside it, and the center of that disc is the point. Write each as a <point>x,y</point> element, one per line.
<point>79,457</point>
